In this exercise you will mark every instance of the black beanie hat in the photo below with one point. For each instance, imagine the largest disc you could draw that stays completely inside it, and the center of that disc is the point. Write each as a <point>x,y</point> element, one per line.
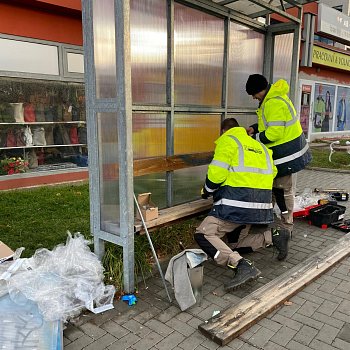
<point>255,84</point>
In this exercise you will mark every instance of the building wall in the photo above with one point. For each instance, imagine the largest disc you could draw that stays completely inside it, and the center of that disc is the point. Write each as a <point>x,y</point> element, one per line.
<point>333,3</point>
<point>59,24</point>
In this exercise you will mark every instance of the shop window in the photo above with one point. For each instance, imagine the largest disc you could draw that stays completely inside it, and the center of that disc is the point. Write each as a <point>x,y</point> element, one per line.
<point>26,57</point>
<point>43,122</point>
<point>75,62</point>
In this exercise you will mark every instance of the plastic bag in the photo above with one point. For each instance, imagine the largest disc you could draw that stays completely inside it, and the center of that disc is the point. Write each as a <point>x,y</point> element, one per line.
<point>63,281</point>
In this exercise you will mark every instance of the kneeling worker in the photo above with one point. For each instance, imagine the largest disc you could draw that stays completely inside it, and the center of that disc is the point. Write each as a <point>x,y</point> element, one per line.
<point>240,179</point>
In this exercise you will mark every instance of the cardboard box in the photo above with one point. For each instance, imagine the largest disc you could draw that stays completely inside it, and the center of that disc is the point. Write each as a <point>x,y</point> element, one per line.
<point>148,208</point>
<point>5,252</point>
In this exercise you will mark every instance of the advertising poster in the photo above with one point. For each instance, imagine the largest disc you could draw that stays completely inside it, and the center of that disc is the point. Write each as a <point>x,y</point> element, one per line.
<point>324,105</point>
<point>342,121</point>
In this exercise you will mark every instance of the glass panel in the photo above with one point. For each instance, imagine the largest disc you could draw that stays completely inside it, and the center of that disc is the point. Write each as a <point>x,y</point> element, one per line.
<point>195,133</point>
<point>75,62</point>
<point>342,119</point>
<point>246,57</point>
<point>324,108</point>
<point>149,135</point>
<point>104,46</point>
<point>109,170</point>
<point>154,183</point>
<point>199,51</point>
<point>43,121</point>
<point>188,183</point>
<point>282,64</point>
<point>21,56</point>
<point>148,28</point>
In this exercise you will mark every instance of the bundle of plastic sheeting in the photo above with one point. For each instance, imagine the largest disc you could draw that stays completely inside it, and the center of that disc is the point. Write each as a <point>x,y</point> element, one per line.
<point>23,327</point>
<point>62,282</point>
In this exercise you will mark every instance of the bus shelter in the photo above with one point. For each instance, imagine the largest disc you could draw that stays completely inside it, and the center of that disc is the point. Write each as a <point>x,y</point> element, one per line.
<point>160,77</point>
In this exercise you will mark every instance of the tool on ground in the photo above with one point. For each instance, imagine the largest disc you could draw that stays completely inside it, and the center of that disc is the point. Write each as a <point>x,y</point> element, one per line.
<point>152,248</point>
<point>336,193</point>
<point>130,298</point>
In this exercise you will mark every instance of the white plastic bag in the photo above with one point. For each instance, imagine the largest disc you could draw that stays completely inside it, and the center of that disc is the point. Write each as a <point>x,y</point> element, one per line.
<point>63,281</point>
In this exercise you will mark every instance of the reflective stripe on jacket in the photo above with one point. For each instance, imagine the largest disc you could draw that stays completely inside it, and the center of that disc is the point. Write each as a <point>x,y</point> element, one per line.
<point>280,130</point>
<point>240,178</point>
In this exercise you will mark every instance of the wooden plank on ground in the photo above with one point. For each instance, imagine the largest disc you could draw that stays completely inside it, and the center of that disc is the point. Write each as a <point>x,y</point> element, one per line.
<point>175,213</point>
<point>238,318</point>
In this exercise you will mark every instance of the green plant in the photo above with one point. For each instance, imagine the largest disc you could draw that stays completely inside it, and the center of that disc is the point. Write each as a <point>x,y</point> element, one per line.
<point>13,165</point>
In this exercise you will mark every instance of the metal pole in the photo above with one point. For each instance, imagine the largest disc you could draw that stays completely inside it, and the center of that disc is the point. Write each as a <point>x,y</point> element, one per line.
<point>152,248</point>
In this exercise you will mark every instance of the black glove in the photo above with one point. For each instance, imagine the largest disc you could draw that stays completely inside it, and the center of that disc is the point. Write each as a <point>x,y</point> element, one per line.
<point>204,193</point>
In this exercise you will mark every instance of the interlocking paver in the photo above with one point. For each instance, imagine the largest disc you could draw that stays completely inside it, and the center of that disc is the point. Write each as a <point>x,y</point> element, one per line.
<point>101,343</point>
<point>92,330</point>
<point>180,326</point>
<point>305,335</point>
<point>124,342</point>
<point>137,328</point>
<point>192,341</point>
<point>283,336</point>
<point>148,341</point>
<point>171,341</point>
<point>79,343</point>
<point>341,344</point>
<point>294,345</point>
<point>115,329</point>
<point>319,345</point>
<point>261,337</point>
<point>72,333</point>
<point>159,327</point>
<point>327,334</point>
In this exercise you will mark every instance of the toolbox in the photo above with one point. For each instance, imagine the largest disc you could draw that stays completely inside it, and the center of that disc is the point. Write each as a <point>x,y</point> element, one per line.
<point>305,211</point>
<point>323,215</point>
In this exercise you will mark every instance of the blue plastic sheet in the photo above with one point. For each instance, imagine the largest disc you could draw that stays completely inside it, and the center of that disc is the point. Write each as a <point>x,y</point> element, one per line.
<point>23,327</point>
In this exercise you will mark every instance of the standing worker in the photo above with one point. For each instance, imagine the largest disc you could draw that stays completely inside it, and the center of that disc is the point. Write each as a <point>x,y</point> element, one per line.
<point>240,179</point>
<point>279,129</point>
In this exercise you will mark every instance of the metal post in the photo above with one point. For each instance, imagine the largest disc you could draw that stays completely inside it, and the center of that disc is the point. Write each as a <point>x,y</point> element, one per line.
<point>124,123</point>
<point>170,95</point>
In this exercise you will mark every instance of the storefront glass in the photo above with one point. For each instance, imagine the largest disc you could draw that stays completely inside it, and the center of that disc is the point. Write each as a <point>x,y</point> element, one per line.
<point>43,122</point>
<point>323,108</point>
<point>342,121</point>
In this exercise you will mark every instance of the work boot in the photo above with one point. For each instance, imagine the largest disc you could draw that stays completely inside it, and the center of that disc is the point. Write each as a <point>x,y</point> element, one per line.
<point>245,271</point>
<point>280,238</point>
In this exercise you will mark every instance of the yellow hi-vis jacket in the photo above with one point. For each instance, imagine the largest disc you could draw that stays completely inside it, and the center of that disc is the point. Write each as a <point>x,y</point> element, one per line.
<point>240,179</point>
<point>280,130</point>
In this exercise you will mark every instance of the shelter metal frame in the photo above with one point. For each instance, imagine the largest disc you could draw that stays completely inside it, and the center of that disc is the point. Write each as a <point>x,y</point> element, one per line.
<point>124,107</point>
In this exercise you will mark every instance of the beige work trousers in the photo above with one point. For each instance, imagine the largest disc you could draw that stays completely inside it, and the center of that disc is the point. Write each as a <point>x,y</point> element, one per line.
<point>285,183</point>
<point>215,230</point>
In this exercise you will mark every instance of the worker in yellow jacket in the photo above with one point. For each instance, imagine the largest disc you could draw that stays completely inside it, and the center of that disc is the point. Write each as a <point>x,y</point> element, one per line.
<point>240,179</point>
<point>279,129</point>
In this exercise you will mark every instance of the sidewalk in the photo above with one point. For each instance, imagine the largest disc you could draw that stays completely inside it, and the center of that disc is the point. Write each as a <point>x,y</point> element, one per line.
<point>318,317</point>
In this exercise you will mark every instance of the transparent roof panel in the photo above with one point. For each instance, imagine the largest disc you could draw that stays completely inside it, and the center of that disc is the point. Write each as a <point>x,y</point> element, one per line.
<point>252,7</point>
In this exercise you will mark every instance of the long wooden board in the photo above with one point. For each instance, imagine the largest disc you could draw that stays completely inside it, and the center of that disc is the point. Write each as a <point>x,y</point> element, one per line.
<point>238,318</point>
<point>175,213</point>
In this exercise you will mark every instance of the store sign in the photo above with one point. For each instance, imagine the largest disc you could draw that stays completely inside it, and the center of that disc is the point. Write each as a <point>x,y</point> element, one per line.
<point>330,58</point>
<point>333,22</point>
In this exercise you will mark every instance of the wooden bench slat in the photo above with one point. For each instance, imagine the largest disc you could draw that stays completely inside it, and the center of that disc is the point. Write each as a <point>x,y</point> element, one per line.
<point>175,213</point>
<point>238,318</point>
